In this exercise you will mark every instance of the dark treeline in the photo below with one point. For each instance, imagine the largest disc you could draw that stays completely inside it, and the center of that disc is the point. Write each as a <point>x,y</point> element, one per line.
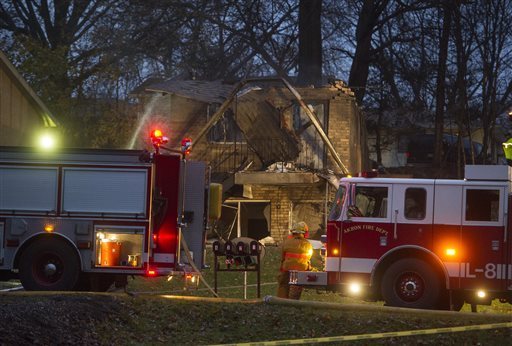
<point>440,61</point>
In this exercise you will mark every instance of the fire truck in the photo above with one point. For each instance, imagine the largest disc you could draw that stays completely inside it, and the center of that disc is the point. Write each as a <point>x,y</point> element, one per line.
<point>82,219</point>
<point>420,243</point>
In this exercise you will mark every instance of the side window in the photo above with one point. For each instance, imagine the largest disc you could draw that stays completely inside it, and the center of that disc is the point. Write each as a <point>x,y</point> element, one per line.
<point>482,205</point>
<point>370,201</point>
<point>337,206</point>
<point>415,203</point>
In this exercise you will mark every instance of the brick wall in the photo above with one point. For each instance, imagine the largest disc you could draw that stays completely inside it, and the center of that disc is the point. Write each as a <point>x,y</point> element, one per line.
<point>281,200</point>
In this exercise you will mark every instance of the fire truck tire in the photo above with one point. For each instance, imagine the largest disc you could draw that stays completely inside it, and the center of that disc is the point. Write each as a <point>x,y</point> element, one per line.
<point>411,283</point>
<point>49,265</point>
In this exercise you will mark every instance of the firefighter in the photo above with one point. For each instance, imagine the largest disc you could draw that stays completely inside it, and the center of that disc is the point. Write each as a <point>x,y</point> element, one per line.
<point>296,252</point>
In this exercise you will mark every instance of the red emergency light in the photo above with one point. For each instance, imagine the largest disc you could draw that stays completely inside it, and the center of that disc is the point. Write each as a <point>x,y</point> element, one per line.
<point>186,146</point>
<point>369,174</point>
<point>158,139</point>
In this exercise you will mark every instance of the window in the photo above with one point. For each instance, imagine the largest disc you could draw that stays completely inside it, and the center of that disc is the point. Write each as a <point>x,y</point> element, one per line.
<point>301,120</point>
<point>415,203</point>
<point>370,201</point>
<point>337,205</point>
<point>226,129</point>
<point>482,205</point>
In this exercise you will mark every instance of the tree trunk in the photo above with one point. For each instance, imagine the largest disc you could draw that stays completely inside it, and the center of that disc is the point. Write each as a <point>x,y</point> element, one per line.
<point>461,98</point>
<point>440,87</point>
<point>310,42</point>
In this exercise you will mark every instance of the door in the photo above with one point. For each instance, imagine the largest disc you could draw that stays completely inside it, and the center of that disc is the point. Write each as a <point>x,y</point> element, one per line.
<point>367,230</point>
<point>244,219</point>
<point>412,214</point>
<point>483,238</point>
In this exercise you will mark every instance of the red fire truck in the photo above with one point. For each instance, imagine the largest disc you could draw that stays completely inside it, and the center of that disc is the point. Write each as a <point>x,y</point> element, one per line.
<point>420,243</point>
<point>82,219</point>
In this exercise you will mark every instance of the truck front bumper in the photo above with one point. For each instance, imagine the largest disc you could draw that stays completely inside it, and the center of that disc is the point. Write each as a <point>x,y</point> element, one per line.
<point>308,278</point>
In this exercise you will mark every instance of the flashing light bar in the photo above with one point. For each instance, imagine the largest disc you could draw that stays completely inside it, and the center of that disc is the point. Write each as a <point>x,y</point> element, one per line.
<point>369,174</point>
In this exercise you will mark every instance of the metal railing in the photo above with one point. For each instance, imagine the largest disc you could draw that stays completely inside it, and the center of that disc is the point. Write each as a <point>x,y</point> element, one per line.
<point>234,157</point>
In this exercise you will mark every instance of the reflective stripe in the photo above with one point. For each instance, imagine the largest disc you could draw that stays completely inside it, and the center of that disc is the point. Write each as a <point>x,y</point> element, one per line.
<point>293,267</point>
<point>350,264</point>
<point>296,255</point>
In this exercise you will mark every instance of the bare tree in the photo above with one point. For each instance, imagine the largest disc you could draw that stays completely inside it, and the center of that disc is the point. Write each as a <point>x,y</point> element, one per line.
<point>310,42</point>
<point>440,85</point>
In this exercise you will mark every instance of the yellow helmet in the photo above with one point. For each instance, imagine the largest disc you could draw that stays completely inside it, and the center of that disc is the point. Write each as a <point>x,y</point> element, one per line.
<point>300,227</point>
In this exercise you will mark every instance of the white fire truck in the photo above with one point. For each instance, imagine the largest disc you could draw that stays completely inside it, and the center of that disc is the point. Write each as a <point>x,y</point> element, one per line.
<point>420,243</point>
<point>82,219</point>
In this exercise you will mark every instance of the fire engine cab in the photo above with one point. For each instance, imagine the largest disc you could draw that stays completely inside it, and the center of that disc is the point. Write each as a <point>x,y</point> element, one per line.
<point>420,243</point>
<point>82,219</point>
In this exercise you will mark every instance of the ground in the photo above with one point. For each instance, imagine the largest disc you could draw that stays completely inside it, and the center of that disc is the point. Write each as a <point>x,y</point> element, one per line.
<point>36,319</point>
<point>70,318</point>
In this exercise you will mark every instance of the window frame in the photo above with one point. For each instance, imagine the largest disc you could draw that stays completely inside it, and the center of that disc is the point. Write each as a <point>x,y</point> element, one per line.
<point>501,198</point>
<point>389,207</point>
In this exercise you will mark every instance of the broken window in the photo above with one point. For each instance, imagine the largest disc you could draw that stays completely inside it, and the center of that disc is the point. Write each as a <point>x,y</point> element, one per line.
<point>312,213</point>
<point>313,153</point>
<point>225,130</point>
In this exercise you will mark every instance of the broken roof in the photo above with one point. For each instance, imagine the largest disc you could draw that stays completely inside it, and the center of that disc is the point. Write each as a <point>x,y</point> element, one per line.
<point>204,91</point>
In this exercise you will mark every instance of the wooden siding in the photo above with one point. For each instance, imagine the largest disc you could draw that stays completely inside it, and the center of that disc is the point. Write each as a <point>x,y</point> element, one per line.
<point>22,113</point>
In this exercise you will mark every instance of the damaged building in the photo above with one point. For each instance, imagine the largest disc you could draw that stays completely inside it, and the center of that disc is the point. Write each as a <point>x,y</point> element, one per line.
<point>276,149</point>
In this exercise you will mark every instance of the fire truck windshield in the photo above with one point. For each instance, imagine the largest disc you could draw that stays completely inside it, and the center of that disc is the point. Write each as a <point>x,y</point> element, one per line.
<point>337,206</point>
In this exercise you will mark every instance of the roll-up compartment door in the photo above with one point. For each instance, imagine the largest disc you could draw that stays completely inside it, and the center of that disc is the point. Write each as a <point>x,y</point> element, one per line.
<point>105,191</point>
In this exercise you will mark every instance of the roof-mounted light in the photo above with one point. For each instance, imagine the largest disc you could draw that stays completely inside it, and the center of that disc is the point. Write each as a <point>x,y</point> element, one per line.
<point>158,139</point>
<point>186,146</point>
<point>369,174</point>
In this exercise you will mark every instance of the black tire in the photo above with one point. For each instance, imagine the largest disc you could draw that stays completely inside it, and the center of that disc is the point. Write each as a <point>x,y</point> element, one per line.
<point>49,264</point>
<point>411,283</point>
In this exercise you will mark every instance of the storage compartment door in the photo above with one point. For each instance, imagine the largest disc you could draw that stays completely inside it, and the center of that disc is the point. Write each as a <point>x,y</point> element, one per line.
<point>194,213</point>
<point>105,192</point>
<point>28,189</point>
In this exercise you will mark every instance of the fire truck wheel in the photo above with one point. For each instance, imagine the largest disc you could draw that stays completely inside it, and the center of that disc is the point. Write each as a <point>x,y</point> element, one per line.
<point>49,265</point>
<point>411,283</point>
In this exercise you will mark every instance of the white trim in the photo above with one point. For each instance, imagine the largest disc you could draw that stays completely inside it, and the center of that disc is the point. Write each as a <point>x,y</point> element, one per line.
<point>163,258</point>
<point>350,264</point>
<point>453,269</point>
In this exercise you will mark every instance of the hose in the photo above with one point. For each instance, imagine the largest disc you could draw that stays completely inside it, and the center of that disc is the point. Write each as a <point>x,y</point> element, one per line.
<point>272,300</point>
<point>191,262</point>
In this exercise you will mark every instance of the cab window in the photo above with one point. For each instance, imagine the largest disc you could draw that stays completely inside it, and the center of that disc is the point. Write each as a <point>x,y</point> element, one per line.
<point>370,201</point>
<point>337,205</point>
<point>415,202</point>
<point>482,205</point>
